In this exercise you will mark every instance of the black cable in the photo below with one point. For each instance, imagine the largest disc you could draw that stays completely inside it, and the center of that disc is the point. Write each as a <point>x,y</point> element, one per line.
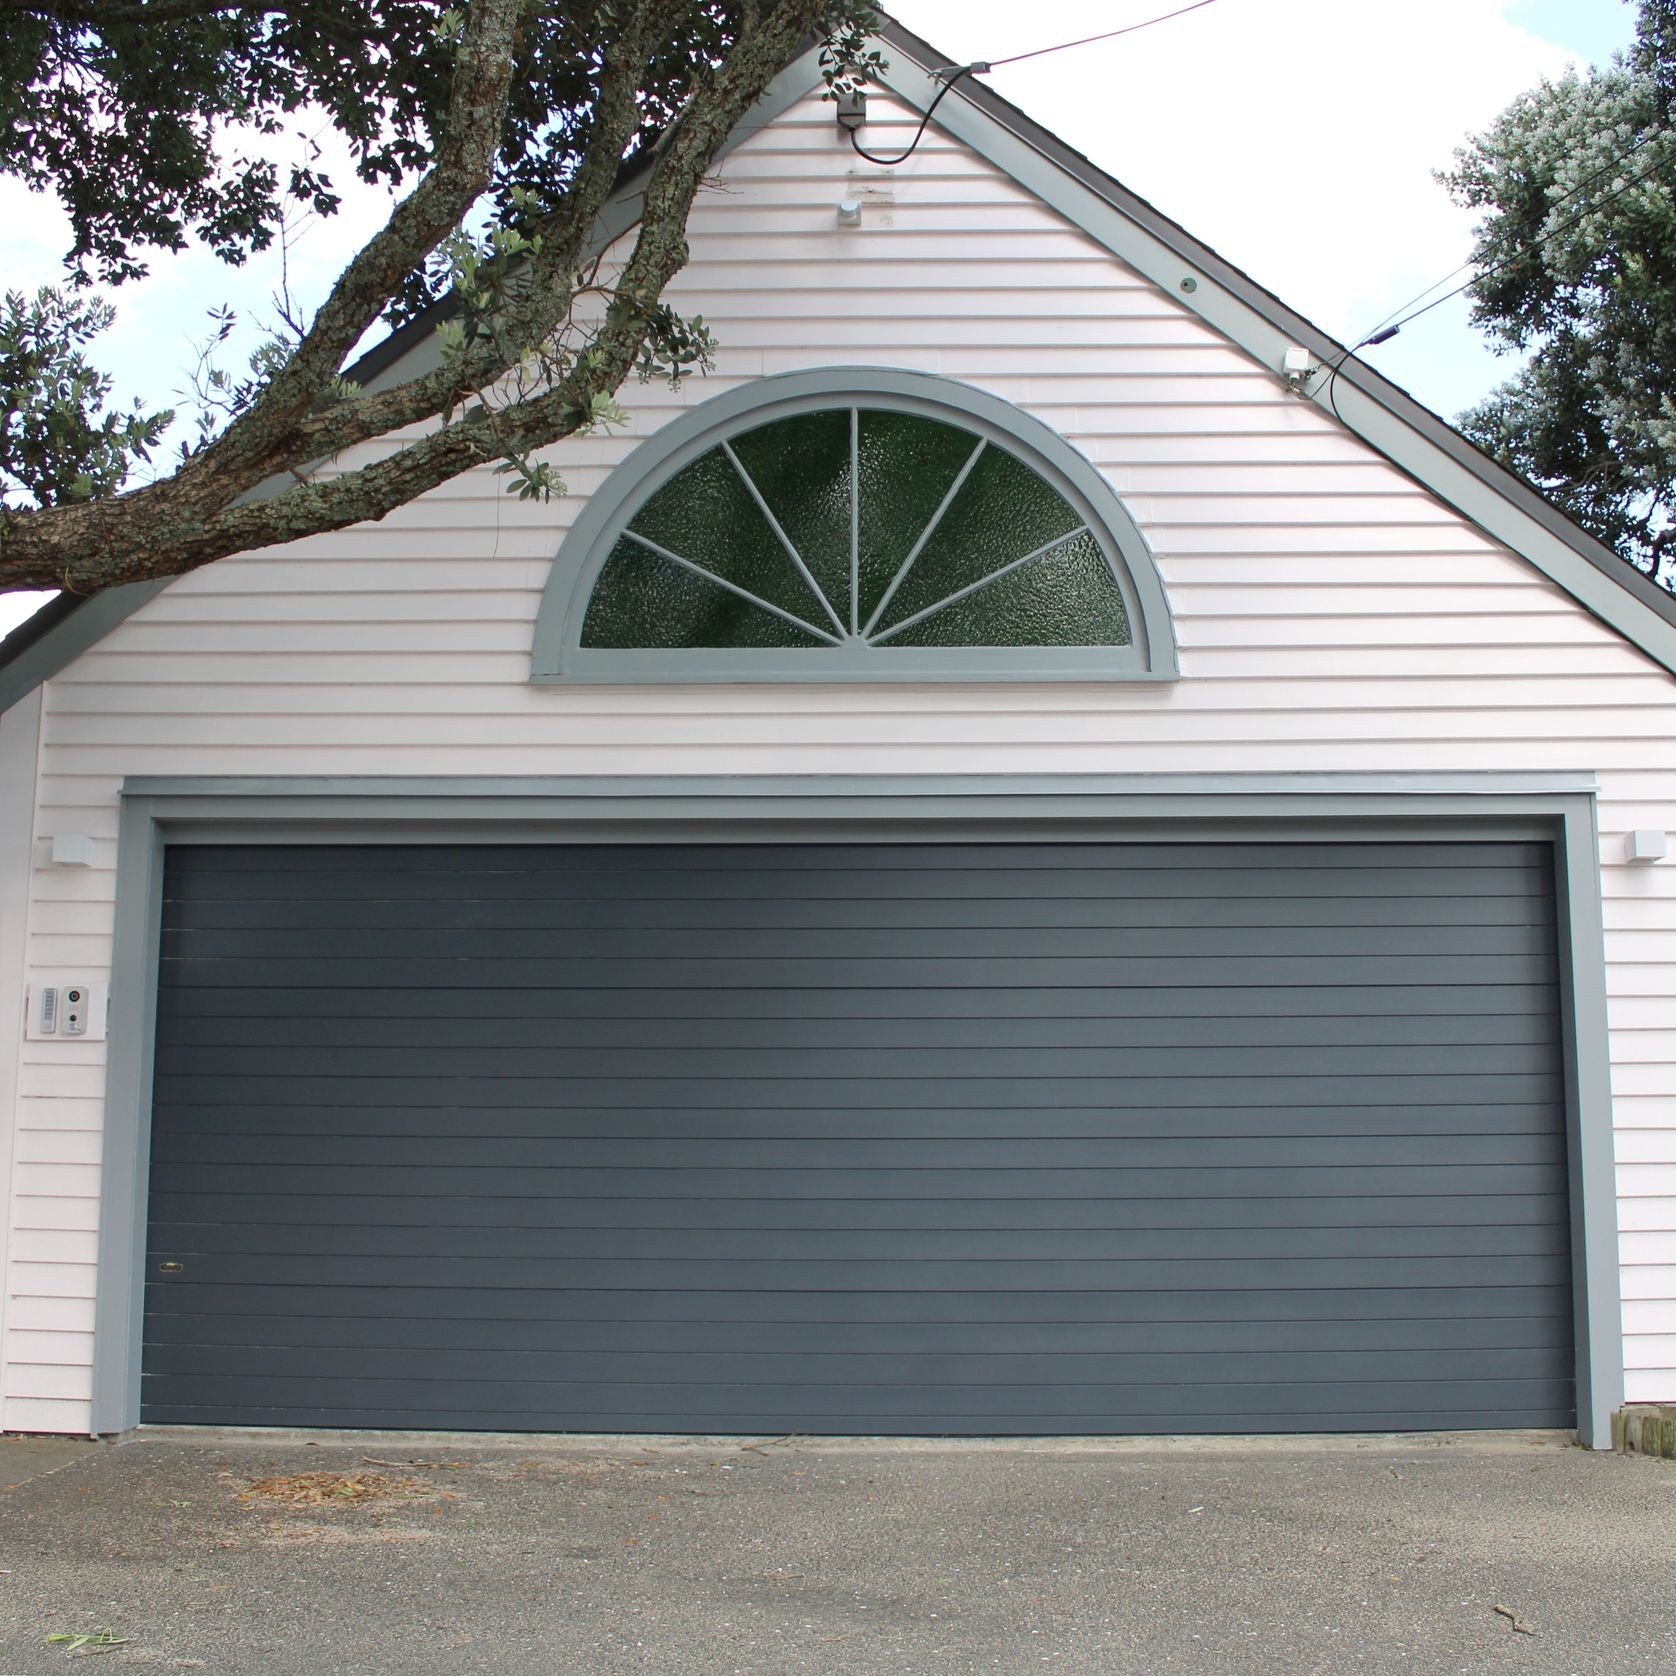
<point>954,75</point>
<point>1332,374</point>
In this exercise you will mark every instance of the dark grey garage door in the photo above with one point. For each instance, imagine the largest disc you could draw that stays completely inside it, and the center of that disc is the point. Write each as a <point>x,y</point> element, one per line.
<point>868,1138</point>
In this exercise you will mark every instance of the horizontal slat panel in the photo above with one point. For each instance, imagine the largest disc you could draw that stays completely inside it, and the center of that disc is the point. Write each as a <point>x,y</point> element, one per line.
<point>185,1296</point>
<point>327,1027</point>
<point>587,1006</point>
<point>837,1371</point>
<point>1009,1275</point>
<point>622,716</point>
<point>777,914</point>
<point>963,1403</point>
<point>937,1157</point>
<point>873,1338</point>
<point>1388,1180</point>
<point>788,1094</point>
<point>541,1213</point>
<point>1226,725</point>
<point>871,1122</point>
<point>1114,972</point>
<point>572,1067</point>
<point>827,862</point>
<point>184,1241</point>
<point>927,883</point>
<point>911,947</point>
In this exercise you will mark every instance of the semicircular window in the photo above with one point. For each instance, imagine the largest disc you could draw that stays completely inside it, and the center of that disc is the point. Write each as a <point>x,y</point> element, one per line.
<point>859,540</point>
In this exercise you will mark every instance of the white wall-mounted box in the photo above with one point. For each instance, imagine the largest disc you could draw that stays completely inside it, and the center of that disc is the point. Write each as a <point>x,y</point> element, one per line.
<point>1644,846</point>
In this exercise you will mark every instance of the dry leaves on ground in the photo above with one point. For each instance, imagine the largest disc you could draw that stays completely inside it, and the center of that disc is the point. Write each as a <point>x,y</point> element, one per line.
<point>332,1489</point>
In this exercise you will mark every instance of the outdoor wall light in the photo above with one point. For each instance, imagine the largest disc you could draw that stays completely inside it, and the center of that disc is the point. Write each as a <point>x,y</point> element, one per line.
<point>849,213</point>
<point>1645,846</point>
<point>72,849</point>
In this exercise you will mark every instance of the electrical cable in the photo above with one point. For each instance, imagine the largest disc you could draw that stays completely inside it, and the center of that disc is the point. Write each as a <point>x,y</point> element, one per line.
<point>1386,333</point>
<point>1110,35</point>
<point>1530,244</point>
<point>955,72</point>
<point>1532,221</point>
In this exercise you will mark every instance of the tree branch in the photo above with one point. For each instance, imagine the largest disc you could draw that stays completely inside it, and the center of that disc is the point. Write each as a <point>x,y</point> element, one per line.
<point>196,517</point>
<point>246,452</point>
<point>550,291</point>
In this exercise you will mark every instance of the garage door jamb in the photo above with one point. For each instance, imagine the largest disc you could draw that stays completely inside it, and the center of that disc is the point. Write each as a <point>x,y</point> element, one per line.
<point>303,810</point>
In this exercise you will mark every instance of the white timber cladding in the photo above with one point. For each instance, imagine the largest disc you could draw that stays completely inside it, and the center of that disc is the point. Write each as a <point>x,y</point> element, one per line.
<point>1332,616</point>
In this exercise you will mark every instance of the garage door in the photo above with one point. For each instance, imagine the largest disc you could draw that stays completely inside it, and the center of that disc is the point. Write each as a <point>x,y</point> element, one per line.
<point>866,1138</point>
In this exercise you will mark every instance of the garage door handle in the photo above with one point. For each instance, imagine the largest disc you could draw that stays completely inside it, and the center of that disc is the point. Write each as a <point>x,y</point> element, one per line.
<point>171,1268</point>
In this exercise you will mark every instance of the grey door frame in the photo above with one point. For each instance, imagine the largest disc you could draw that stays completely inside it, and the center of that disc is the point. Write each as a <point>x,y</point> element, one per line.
<point>1558,809</point>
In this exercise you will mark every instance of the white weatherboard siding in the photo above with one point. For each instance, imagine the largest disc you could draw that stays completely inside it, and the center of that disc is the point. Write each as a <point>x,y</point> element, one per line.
<point>1332,617</point>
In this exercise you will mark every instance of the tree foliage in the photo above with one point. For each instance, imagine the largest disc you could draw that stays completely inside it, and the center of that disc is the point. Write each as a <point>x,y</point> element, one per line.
<point>54,430</point>
<point>507,122</point>
<point>1576,265</point>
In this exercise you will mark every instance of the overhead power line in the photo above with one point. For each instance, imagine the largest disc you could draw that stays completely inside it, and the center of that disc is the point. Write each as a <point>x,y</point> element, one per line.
<point>1531,221</point>
<point>1385,332</point>
<point>1110,35</point>
<point>953,72</point>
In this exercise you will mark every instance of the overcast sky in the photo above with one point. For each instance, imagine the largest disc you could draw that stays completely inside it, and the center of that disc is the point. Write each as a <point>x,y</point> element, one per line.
<point>1296,137</point>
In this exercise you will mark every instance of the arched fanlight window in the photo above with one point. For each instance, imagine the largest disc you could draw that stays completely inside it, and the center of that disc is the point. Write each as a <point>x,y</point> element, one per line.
<point>854,525</point>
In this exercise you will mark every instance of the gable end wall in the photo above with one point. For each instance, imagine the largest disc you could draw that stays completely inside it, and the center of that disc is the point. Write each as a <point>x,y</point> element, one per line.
<point>1332,617</point>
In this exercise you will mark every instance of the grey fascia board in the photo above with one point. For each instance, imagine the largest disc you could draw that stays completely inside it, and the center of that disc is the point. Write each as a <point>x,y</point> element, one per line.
<point>1559,808</point>
<point>1417,441</point>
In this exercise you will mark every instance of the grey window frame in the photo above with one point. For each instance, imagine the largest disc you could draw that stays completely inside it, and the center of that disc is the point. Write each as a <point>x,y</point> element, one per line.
<point>559,658</point>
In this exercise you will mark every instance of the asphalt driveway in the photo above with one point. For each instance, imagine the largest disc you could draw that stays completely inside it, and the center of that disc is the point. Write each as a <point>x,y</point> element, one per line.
<point>237,1556</point>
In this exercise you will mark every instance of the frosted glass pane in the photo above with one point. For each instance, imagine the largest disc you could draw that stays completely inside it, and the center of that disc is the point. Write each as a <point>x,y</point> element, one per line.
<point>642,600</point>
<point>907,465</point>
<point>801,468</point>
<point>706,514</point>
<point>804,470</point>
<point>1003,511</point>
<point>1068,597</point>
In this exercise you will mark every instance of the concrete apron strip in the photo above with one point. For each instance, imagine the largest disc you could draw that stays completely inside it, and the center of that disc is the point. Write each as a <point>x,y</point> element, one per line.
<point>23,1458</point>
<point>1348,1443</point>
